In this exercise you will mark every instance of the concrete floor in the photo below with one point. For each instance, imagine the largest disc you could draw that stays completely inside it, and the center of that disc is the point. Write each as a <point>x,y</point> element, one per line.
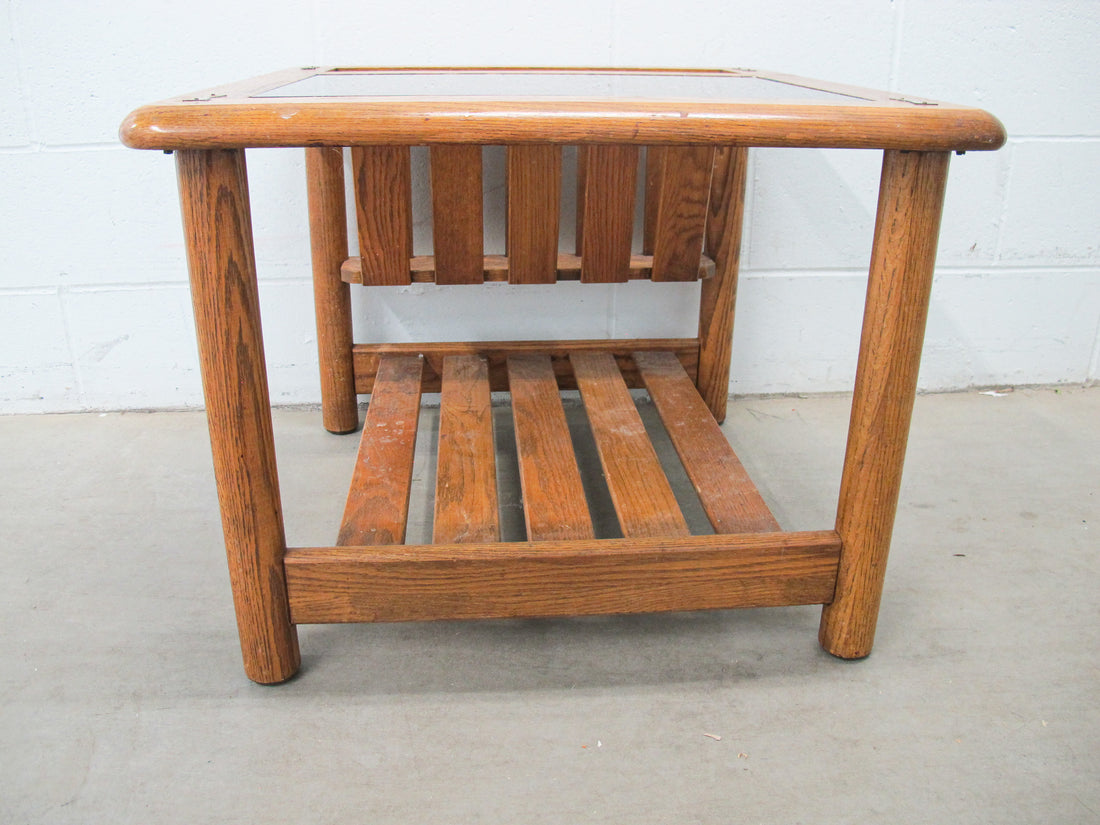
<point>122,699</point>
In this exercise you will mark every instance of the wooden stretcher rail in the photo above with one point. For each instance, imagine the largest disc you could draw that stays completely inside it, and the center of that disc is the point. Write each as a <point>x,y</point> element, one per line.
<point>560,578</point>
<point>366,357</point>
<point>422,270</point>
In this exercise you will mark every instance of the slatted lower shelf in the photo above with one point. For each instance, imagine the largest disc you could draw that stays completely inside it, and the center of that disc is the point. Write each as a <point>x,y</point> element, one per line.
<point>562,568</point>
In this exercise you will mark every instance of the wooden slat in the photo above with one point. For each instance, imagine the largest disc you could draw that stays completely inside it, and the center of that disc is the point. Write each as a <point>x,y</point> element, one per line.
<point>534,200</point>
<point>378,501</point>
<point>610,172</point>
<point>643,499</point>
<point>458,233</point>
<point>728,496</point>
<point>682,212</point>
<point>367,356</point>
<point>466,480</point>
<point>564,578</point>
<point>496,268</point>
<point>383,197</point>
<point>718,295</point>
<point>654,166</point>
<point>725,207</point>
<point>553,496</point>
<point>582,184</point>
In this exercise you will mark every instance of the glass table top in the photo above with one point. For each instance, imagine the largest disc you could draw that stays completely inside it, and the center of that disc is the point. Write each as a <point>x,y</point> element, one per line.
<point>664,85</point>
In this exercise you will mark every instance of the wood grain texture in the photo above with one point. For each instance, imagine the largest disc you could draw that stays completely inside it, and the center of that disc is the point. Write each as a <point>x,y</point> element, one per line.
<point>610,172</point>
<point>351,122</point>
<point>218,231</point>
<point>561,575</point>
<point>232,116</point>
<point>466,479</point>
<point>730,499</point>
<point>560,578</point>
<point>582,189</point>
<point>718,296</point>
<point>554,503</point>
<point>643,499</point>
<point>383,196</point>
<point>496,268</point>
<point>534,202</point>
<point>654,168</point>
<point>378,501</point>
<point>902,262</point>
<point>458,231</point>
<point>682,212</point>
<point>328,239</point>
<point>496,352</point>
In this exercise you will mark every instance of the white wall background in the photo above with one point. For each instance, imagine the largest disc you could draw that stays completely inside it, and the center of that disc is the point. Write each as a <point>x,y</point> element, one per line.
<point>94,308</point>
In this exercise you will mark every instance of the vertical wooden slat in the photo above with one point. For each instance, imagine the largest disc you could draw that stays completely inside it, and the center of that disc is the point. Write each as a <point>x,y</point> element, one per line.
<point>610,172</point>
<point>682,212</point>
<point>903,258</point>
<point>643,498</point>
<point>730,499</point>
<point>534,198</point>
<point>383,197</point>
<point>466,481</point>
<point>328,238</point>
<point>553,495</point>
<point>654,166</point>
<point>222,263</point>
<point>582,182</point>
<point>718,295</point>
<point>378,501</point>
<point>457,217</point>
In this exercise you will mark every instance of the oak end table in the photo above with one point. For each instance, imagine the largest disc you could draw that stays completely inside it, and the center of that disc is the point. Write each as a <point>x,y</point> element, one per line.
<point>687,132</point>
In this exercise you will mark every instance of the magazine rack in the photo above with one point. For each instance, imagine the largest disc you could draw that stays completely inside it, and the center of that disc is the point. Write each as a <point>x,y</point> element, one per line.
<point>688,133</point>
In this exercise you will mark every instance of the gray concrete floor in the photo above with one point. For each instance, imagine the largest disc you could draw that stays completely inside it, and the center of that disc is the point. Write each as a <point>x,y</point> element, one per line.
<point>122,698</point>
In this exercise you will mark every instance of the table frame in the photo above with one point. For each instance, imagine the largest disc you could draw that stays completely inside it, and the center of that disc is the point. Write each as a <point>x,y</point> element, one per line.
<point>217,224</point>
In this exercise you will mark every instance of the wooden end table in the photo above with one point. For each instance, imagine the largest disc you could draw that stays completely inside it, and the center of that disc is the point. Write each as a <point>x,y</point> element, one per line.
<point>696,127</point>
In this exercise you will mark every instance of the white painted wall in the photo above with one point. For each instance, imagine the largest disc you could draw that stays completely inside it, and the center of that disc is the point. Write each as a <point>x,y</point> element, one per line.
<point>94,309</point>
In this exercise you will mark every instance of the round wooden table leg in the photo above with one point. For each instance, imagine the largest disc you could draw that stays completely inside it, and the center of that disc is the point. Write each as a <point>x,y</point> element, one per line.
<point>902,262</point>
<point>218,229</point>
<point>328,235</point>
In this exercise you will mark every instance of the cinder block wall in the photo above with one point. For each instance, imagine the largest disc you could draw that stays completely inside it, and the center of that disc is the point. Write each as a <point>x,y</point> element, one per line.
<point>94,309</point>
